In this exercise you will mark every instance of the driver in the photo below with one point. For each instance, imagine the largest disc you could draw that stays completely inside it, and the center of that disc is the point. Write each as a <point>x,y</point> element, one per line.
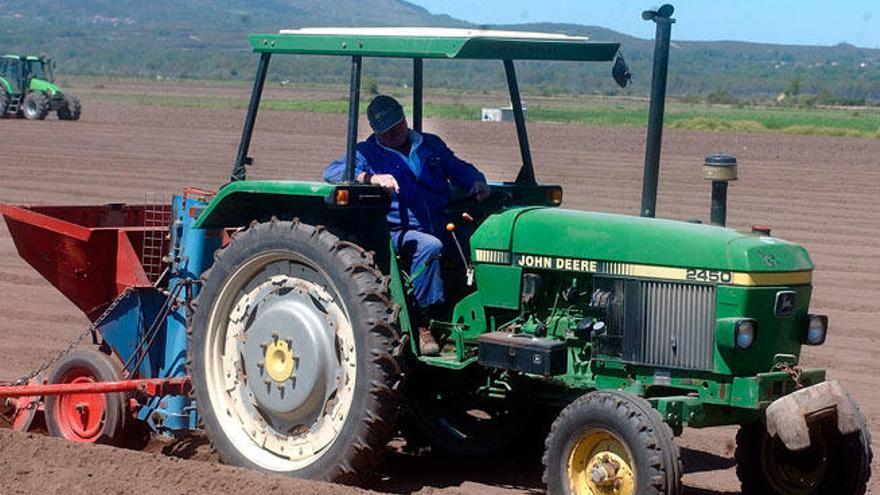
<point>417,169</point>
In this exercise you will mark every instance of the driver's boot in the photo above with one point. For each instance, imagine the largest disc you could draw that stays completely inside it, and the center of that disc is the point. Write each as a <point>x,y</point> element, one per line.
<point>427,344</point>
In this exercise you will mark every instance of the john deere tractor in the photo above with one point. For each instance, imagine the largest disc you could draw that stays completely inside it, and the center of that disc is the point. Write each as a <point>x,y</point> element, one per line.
<point>301,347</point>
<point>27,89</point>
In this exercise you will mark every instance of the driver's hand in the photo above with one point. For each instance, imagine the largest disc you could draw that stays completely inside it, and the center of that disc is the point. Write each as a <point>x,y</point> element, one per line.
<point>479,190</point>
<point>387,181</point>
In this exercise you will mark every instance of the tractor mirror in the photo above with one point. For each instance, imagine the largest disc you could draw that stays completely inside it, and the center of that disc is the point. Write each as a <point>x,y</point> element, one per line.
<point>620,72</point>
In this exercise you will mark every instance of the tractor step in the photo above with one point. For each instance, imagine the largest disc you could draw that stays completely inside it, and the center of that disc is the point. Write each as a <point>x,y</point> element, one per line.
<point>14,104</point>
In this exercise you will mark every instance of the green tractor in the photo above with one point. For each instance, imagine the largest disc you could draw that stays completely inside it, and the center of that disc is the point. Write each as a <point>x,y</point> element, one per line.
<point>27,89</point>
<point>628,328</point>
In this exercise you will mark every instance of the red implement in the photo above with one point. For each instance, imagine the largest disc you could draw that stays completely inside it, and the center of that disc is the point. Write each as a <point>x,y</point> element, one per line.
<point>90,253</point>
<point>22,410</point>
<point>149,386</point>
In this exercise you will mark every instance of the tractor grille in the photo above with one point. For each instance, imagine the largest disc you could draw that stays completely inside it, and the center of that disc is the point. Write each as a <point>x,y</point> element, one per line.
<point>677,325</point>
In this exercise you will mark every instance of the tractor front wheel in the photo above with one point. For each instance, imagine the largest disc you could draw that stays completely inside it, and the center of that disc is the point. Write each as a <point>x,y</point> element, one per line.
<point>36,106</point>
<point>85,417</point>
<point>71,108</point>
<point>611,442</point>
<point>833,463</point>
<point>293,354</point>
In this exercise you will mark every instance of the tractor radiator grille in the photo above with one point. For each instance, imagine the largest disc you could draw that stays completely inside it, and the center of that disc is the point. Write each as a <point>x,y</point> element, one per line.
<point>677,325</point>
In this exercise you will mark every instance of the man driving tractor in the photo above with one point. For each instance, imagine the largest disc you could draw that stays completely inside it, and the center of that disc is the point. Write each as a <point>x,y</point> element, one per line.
<point>416,169</point>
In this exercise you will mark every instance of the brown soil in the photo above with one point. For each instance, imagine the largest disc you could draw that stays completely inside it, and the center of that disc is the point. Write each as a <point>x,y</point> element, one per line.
<point>820,192</point>
<point>31,463</point>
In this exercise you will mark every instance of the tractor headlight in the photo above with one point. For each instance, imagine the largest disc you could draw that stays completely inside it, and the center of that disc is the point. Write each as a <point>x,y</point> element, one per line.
<point>817,330</point>
<point>745,333</point>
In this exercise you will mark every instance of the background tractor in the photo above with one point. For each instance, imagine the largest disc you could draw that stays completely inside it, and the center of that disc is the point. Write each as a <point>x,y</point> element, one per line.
<point>275,314</point>
<point>27,88</point>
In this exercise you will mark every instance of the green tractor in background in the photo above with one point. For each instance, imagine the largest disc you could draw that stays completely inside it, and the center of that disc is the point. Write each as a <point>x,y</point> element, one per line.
<point>27,89</point>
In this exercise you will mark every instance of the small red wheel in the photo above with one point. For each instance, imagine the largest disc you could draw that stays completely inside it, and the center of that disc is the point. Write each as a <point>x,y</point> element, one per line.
<point>84,417</point>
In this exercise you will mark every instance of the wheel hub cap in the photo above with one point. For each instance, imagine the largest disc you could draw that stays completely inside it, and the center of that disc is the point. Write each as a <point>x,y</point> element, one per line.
<point>599,464</point>
<point>81,416</point>
<point>291,388</point>
<point>279,361</point>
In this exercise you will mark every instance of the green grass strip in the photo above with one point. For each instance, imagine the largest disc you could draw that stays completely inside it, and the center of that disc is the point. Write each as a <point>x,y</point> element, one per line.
<point>818,122</point>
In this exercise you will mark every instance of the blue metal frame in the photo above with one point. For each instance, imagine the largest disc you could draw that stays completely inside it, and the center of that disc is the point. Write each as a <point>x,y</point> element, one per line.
<point>159,318</point>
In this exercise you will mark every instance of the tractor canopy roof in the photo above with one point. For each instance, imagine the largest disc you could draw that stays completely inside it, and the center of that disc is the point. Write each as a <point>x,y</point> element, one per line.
<point>31,58</point>
<point>422,42</point>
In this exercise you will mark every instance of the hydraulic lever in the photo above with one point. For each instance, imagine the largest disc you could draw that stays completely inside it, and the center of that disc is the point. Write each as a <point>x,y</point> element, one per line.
<point>450,227</point>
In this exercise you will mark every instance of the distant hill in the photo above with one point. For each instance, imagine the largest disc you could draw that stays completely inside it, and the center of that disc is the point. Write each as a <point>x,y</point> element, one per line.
<point>206,39</point>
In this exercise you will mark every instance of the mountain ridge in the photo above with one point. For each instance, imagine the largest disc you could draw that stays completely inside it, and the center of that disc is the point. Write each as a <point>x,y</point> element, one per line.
<point>206,39</point>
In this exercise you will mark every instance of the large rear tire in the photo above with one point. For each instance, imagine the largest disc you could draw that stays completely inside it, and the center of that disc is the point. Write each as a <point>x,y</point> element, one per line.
<point>293,354</point>
<point>611,442</point>
<point>4,103</point>
<point>87,418</point>
<point>36,106</point>
<point>833,463</point>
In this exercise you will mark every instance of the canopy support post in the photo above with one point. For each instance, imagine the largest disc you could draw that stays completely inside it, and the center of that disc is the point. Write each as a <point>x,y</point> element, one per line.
<point>417,94</point>
<point>527,172</point>
<point>353,107</point>
<point>239,169</point>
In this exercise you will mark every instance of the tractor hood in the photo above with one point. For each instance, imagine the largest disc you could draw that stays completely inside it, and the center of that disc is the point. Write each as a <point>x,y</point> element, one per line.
<point>44,86</point>
<point>559,234</point>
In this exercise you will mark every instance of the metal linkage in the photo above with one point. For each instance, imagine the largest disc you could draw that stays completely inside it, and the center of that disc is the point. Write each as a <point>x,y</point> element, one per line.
<point>91,330</point>
<point>149,386</point>
<point>794,372</point>
<point>143,347</point>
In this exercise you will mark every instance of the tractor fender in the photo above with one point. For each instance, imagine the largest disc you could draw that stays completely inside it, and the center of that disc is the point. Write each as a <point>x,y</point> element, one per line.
<point>788,416</point>
<point>5,85</point>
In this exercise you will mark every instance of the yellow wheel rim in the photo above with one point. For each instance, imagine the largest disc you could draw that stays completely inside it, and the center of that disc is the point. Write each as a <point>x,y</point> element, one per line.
<point>600,464</point>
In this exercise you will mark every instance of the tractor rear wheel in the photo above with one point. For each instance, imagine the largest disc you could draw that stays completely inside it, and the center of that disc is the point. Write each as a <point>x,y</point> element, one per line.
<point>833,463</point>
<point>293,354</point>
<point>87,418</point>
<point>611,442</point>
<point>4,103</point>
<point>36,106</point>
<point>71,109</point>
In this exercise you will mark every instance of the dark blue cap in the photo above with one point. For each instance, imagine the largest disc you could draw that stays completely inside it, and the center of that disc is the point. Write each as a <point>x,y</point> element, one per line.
<point>384,112</point>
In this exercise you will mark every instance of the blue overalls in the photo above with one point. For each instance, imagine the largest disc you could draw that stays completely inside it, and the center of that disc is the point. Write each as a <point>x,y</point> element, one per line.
<point>416,218</point>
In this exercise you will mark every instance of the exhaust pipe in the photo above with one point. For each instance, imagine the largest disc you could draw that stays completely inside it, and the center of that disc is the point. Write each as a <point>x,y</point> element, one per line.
<point>720,169</point>
<point>663,18</point>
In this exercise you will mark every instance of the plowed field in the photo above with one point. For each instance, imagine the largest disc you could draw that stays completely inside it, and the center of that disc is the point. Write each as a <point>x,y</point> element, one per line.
<point>820,192</point>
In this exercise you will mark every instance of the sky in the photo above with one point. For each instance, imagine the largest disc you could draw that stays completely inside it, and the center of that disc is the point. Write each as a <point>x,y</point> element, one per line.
<point>801,22</point>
